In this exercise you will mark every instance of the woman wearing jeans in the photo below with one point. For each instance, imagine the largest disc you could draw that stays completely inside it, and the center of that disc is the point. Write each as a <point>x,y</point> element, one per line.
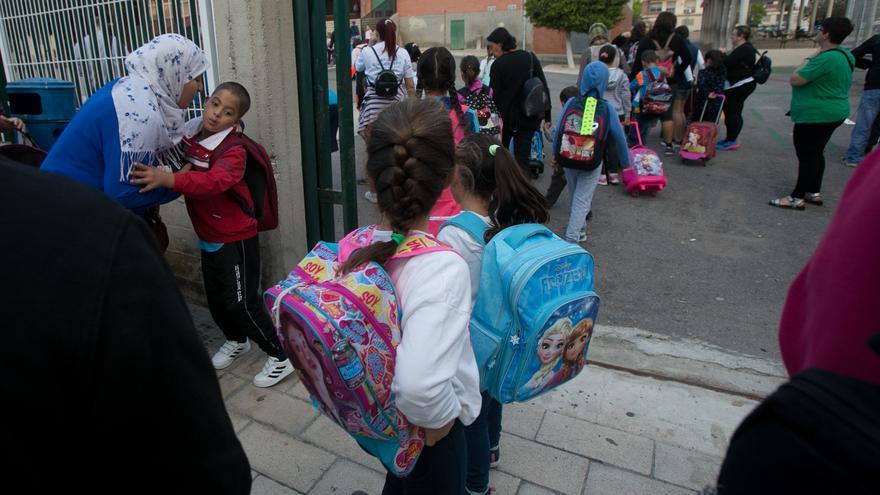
<point>819,104</point>
<point>740,64</point>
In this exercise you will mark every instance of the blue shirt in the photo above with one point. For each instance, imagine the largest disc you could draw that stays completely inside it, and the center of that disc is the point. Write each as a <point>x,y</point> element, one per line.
<point>88,151</point>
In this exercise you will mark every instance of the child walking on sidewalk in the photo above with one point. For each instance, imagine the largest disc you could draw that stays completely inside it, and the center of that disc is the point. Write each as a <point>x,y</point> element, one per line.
<point>436,381</point>
<point>227,235</point>
<point>557,180</point>
<point>494,194</point>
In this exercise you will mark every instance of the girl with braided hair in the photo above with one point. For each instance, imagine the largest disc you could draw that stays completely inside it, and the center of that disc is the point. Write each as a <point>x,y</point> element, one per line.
<point>436,71</point>
<point>410,156</point>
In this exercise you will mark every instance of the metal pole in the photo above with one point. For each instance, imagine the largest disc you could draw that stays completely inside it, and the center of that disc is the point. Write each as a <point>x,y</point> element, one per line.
<point>743,12</point>
<point>814,8</point>
<point>800,15</point>
<point>346,117</point>
<point>830,8</point>
<point>318,23</point>
<point>301,33</point>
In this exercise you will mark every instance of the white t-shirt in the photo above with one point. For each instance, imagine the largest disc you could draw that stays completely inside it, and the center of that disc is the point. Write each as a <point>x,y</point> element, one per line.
<point>469,249</point>
<point>369,64</point>
<point>436,378</point>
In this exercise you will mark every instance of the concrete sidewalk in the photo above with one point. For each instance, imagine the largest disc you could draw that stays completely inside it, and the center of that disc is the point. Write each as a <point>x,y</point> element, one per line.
<point>650,415</point>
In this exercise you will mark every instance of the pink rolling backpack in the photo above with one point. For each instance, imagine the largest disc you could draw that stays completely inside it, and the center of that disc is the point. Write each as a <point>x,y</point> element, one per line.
<point>645,172</point>
<point>341,332</point>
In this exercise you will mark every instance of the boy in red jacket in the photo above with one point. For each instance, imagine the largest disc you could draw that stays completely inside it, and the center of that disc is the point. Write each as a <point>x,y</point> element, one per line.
<point>227,234</point>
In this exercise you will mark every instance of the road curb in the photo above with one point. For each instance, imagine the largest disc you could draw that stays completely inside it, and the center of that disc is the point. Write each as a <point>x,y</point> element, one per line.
<point>687,361</point>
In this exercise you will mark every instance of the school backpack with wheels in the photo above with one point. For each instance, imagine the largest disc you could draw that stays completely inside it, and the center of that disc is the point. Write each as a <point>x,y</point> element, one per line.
<point>763,68</point>
<point>341,332</point>
<point>582,133</point>
<point>484,106</point>
<point>386,84</point>
<point>665,57</point>
<point>535,98</point>
<point>259,176</point>
<point>535,310</point>
<point>645,172</point>
<point>658,95</point>
<point>700,136</point>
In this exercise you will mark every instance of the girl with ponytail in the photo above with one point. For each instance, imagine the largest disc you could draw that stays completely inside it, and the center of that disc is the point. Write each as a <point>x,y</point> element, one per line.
<point>436,382</point>
<point>490,185</point>
<point>436,73</point>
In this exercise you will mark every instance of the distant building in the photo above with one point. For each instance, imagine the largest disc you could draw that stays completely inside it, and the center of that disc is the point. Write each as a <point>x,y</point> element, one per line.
<point>464,24</point>
<point>688,12</point>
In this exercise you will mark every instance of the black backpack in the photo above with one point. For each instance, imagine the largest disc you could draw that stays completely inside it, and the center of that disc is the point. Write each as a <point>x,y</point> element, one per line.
<point>386,83</point>
<point>484,106</point>
<point>763,68</point>
<point>535,99</point>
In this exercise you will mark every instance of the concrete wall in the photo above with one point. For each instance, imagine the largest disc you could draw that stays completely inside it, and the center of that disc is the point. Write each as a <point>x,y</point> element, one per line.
<point>433,30</point>
<point>255,47</point>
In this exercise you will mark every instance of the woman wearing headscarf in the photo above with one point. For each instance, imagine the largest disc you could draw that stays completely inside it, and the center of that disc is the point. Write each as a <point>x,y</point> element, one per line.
<point>137,118</point>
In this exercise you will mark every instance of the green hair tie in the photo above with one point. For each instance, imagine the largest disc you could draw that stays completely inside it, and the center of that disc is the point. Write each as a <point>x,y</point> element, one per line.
<point>493,148</point>
<point>397,238</point>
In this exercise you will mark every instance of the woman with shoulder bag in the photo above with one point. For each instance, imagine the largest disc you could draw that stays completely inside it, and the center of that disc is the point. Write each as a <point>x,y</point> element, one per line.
<point>740,64</point>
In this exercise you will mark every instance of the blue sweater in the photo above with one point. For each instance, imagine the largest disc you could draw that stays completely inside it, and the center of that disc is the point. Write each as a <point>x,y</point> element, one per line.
<point>88,151</point>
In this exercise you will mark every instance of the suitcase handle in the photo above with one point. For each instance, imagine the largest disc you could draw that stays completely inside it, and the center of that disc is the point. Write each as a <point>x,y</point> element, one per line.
<point>635,125</point>
<point>713,96</point>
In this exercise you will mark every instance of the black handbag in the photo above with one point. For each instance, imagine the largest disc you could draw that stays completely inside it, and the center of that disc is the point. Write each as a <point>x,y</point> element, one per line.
<point>535,99</point>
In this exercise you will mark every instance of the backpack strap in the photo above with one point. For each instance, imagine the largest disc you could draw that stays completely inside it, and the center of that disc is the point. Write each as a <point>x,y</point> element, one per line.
<point>851,66</point>
<point>668,41</point>
<point>381,66</point>
<point>237,139</point>
<point>414,244</point>
<point>471,223</point>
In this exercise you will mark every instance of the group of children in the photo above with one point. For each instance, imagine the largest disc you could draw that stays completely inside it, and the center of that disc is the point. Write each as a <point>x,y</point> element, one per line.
<point>412,167</point>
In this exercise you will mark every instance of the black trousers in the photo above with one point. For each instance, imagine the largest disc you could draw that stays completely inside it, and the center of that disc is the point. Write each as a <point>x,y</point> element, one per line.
<point>522,145</point>
<point>440,470</point>
<point>232,286</point>
<point>809,145</point>
<point>733,108</point>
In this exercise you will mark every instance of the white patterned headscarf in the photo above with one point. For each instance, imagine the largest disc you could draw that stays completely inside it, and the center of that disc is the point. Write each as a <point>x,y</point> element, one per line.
<point>150,121</point>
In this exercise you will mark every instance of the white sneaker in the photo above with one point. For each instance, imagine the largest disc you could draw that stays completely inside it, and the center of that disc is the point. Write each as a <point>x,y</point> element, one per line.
<point>273,372</point>
<point>371,196</point>
<point>228,352</point>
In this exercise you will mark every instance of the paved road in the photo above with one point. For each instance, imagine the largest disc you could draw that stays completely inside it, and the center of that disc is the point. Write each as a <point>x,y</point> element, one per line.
<point>707,258</point>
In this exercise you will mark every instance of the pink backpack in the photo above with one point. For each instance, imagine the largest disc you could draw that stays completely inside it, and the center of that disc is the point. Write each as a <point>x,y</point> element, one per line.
<point>446,207</point>
<point>341,332</point>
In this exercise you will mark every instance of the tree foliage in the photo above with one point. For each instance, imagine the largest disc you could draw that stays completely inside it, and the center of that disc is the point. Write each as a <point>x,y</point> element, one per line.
<point>757,13</point>
<point>574,15</point>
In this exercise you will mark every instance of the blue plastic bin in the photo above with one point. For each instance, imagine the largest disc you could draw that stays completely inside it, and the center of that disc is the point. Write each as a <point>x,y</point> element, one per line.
<point>45,105</point>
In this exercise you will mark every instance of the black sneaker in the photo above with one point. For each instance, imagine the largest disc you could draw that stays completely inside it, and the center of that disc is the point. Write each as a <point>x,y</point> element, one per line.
<point>669,150</point>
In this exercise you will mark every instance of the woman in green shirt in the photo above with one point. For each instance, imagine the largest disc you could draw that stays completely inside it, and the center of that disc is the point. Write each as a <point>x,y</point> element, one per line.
<point>819,104</point>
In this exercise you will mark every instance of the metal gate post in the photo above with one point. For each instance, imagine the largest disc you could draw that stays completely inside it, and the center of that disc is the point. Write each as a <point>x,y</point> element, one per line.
<point>346,117</point>
<point>302,38</point>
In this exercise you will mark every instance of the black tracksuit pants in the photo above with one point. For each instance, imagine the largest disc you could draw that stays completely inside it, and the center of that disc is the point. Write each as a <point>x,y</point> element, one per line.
<point>232,286</point>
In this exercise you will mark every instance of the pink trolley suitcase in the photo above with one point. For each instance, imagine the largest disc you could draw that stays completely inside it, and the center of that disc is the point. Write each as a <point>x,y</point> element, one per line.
<point>645,173</point>
<point>700,136</point>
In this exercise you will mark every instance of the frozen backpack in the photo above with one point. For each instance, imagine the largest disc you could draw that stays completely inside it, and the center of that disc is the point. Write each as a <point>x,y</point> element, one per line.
<point>341,332</point>
<point>535,309</point>
<point>582,133</point>
<point>483,105</point>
